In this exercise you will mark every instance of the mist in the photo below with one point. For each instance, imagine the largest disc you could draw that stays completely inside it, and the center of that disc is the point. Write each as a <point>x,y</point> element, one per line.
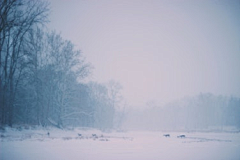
<point>107,64</point>
<point>158,50</point>
<point>204,112</point>
<point>120,79</point>
<point>161,52</point>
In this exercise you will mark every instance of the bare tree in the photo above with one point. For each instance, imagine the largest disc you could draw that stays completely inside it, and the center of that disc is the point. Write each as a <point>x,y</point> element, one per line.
<point>114,94</point>
<point>102,106</point>
<point>17,18</point>
<point>69,65</point>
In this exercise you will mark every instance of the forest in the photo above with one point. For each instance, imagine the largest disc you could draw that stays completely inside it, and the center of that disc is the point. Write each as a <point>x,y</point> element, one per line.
<point>42,74</point>
<point>42,83</point>
<point>204,112</point>
<point>119,80</point>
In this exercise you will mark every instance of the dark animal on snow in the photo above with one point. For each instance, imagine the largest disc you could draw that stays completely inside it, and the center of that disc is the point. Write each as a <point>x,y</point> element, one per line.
<point>94,135</point>
<point>181,136</point>
<point>166,135</point>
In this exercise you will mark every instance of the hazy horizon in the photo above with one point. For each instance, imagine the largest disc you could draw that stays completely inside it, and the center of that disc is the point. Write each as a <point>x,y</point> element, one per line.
<point>157,50</point>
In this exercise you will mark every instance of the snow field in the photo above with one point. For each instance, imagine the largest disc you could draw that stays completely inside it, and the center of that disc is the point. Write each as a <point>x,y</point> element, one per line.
<point>64,145</point>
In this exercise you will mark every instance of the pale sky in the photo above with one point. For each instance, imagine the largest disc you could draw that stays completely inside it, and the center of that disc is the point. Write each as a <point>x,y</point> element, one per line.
<point>159,50</point>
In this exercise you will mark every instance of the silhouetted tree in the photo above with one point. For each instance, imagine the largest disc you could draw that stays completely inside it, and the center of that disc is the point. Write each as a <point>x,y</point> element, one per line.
<point>17,18</point>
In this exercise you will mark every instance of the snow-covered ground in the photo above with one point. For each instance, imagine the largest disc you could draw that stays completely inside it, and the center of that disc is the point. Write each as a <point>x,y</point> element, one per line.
<point>70,145</point>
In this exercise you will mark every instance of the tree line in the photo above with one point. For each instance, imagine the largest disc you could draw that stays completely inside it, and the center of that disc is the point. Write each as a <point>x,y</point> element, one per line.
<point>202,112</point>
<point>40,74</point>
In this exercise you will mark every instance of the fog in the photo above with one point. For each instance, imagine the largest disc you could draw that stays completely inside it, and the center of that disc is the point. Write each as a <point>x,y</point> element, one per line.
<point>158,50</point>
<point>204,112</point>
<point>178,62</point>
<point>155,65</point>
<point>120,79</point>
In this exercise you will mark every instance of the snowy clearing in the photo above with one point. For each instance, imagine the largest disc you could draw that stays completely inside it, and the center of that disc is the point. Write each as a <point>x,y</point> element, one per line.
<point>94,145</point>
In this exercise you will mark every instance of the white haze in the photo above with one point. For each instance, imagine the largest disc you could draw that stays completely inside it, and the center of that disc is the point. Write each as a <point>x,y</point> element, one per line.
<point>158,50</point>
